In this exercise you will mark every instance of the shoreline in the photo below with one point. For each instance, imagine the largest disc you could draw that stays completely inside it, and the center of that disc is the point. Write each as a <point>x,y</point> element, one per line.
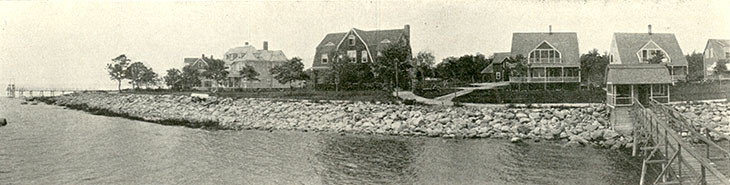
<point>587,126</point>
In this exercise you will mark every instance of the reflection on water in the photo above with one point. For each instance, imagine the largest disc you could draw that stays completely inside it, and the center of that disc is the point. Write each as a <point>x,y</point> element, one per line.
<point>50,145</point>
<point>368,160</point>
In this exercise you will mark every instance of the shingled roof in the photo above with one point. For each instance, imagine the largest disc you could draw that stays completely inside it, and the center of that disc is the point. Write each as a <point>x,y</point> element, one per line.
<point>565,42</point>
<point>720,42</point>
<point>628,44</point>
<point>638,74</point>
<point>499,57</point>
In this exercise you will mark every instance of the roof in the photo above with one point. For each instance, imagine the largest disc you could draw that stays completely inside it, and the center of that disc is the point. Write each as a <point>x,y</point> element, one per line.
<point>720,42</point>
<point>628,44</point>
<point>372,38</point>
<point>565,42</point>
<point>499,57</point>
<point>194,62</point>
<point>250,53</point>
<point>638,74</point>
<point>488,69</point>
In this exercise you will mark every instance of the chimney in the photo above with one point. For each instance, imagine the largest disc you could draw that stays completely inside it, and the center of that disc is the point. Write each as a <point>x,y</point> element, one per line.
<point>407,29</point>
<point>246,43</point>
<point>550,29</point>
<point>266,45</point>
<point>650,29</point>
<point>202,56</point>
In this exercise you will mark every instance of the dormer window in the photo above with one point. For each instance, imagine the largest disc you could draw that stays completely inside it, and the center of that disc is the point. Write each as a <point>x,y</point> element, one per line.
<point>544,53</point>
<point>352,55</point>
<point>651,50</point>
<point>351,38</point>
<point>324,58</point>
<point>364,56</point>
<point>329,44</point>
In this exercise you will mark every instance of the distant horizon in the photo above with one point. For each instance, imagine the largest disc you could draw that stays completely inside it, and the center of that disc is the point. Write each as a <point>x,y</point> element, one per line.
<point>69,43</point>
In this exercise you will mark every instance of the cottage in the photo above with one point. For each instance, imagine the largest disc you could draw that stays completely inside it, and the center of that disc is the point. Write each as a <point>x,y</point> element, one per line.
<point>553,58</point>
<point>357,46</point>
<point>261,60</point>
<point>495,72</point>
<point>642,67</point>
<point>200,64</point>
<point>715,50</point>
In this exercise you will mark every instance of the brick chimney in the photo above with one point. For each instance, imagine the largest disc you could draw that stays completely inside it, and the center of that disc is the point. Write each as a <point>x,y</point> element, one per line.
<point>266,45</point>
<point>202,55</point>
<point>407,29</point>
<point>246,43</point>
<point>650,29</point>
<point>550,29</point>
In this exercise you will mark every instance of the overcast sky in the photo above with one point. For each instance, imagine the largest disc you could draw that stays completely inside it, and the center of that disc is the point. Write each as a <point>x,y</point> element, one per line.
<point>69,43</point>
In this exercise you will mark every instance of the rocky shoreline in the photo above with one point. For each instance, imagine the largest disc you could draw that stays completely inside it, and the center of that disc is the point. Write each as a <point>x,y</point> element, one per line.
<point>715,115</point>
<point>576,126</point>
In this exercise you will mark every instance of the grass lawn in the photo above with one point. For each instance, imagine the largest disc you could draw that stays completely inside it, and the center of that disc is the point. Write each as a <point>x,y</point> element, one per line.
<point>302,94</point>
<point>434,93</point>
<point>700,91</point>
<point>532,96</point>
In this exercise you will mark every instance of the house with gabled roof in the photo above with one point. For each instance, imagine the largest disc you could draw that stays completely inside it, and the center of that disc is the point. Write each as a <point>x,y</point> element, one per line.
<point>495,71</point>
<point>200,64</point>
<point>358,45</point>
<point>715,50</point>
<point>630,76</point>
<point>553,57</point>
<point>262,60</point>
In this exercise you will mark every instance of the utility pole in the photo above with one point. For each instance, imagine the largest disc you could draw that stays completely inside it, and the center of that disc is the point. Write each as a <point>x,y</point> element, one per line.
<point>396,77</point>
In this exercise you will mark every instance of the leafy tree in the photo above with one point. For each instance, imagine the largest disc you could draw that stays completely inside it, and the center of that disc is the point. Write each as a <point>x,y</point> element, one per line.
<point>248,73</point>
<point>138,73</point>
<point>423,63</point>
<point>720,68</point>
<point>695,66</point>
<point>593,67</point>
<point>117,69</point>
<point>289,72</point>
<point>190,77</point>
<point>464,68</point>
<point>215,70</point>
<point>174,79</point>
<point>149,78</point>
<point>519,68</point>
<point>394,57</point>
<point>657,58</point>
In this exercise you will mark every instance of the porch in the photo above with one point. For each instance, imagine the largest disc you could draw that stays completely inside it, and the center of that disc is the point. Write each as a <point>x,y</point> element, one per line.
<point>627,94</point>
<point>628,83</point>
<point>549,75</point>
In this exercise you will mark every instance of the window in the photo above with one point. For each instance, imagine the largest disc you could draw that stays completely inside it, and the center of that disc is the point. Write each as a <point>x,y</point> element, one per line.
<point>380,54</point>
<point>364,56</point>
<point>352,55</point>
<point>352,40</point>
<point>708,53</point>
<point>329,44</point>
<point>498,75</point>
<point>544,53</point>
<point>324,58</point>
<point>647,54</point>
<point>658,90</point>
<point>727,54</point>
<point>385,41</point>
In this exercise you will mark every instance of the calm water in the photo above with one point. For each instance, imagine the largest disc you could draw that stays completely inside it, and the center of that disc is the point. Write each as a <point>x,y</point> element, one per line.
<point>46,144</point>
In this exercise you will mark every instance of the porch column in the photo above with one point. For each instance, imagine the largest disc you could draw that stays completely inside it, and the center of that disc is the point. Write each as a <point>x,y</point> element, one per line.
<point>651,91</point>
<point>544,70</point>
<point>562,73</point>
<point>668,99</point>
<point>632,94</point>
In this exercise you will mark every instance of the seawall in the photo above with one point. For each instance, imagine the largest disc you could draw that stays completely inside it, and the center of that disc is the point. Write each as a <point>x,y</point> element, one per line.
<point>576,126</point>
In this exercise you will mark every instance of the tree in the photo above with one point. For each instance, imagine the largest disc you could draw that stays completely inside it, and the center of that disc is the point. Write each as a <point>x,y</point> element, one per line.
<point>215,70</point>
<point>290,71</point>
<point>720,68</point>
<point>695,66</point>
<point>392,65</point>
<point>593,67</point>
<point>424,62</point>
<point>248,73</point>
<point>117,69</point>
<point>657,58</point>
<point>464,68</point>
<point>190,77</point>
<point>520,68</point>
<point>174,79</point>
<point>149,78</point>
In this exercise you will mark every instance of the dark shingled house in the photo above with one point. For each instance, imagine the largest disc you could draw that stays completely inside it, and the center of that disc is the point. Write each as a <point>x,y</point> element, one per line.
<point>630,76</point>
<point>553,57</point>
<point>495,72</point>
<point>357,45</point>
<point>715,50</point>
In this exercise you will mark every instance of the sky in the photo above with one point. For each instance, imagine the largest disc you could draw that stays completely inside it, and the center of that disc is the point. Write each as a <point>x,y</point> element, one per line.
<point>68,43</point>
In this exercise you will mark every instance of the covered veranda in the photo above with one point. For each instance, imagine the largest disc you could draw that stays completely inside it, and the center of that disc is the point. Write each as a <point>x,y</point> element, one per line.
<point>643,82</point>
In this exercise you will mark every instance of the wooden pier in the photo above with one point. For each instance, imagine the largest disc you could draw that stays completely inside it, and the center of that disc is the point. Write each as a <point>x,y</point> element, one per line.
<point>668,141</point>
<point>22,92</point>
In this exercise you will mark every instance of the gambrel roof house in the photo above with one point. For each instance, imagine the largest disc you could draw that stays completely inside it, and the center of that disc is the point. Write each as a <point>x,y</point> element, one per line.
<point>565,45</point>
<point>627,48</point>
<point>715,50</point>
<point>358,45</point>
<point>553,57</point>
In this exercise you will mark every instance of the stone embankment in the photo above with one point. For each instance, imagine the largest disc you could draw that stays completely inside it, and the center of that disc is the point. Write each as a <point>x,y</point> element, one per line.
<point>712,114</point>
<point>577,126</point>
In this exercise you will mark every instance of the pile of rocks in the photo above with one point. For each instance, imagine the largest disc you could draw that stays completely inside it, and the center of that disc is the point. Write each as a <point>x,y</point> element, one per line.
<point>712,114</point>
<point>578,126</point>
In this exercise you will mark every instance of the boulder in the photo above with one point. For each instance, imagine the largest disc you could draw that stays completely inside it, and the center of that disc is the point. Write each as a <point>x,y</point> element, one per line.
<point>515,140</point>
